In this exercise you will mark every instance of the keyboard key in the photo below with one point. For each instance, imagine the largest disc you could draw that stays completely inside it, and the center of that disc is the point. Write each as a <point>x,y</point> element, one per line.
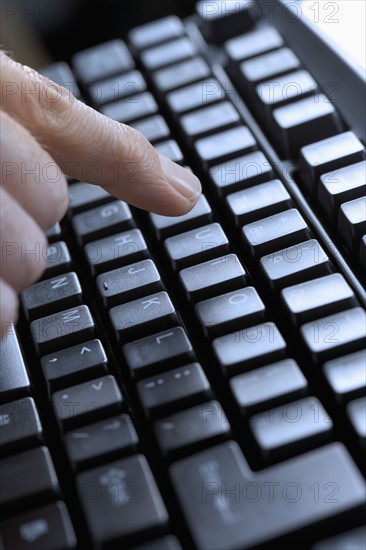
<point>224,145</point>
<point>212,278</point>
<point>142,316</point>
<point>102,61</point>
<point>158,352</point>
<point>164,543</point>
<point>61,73</point>
<point>156,32</point>
<point>20,426</point>
<point>177,388</point>
<point>86,195</point>
<point>326,156</point>
<point>46,528</point>
<point>192,428</point>
<point>168,53</point>
<point>354,539</point>
<point>101,441</point>
<point>74,364</point>
<point>171,150</point>
<point>209,120</point>
<point>165,226</point>
<point>295,264</point>
<point>64,328</point>
<point>347,375</point>
<point>131,108</point>
<point>54,233</point>
<point>253,43</point>
<point>27,478</point>
<point>268,386</point>
<point>243,514</point>
<point>260,200</point>
<point>14,381</point>
<point>357,414</point>
<point>317,298</point>
<point>196,245</point>
<point>352,223</point>
<point>181,74</point>
<point>303,122</point>
<point>225,19</point>
<point>335,334</point>
<point>292,427</point>
<point>88,401</point>
<point>116,88</point>
<point>154,128</point>
<point>240,173</point>
<point>102,221</point>
<point>51,295</point>
<point>57,259</point>
<point>116,250</point>
<point>341,186</point>
<point>234,310</point>
<point>125,500</point>
<point>195,96</point>
<point>275,232</point>
<point>268,65</point>
<point>128,283</point>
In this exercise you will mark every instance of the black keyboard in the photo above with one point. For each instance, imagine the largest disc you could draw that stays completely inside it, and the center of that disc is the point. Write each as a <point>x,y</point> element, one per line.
<point>198,381</point>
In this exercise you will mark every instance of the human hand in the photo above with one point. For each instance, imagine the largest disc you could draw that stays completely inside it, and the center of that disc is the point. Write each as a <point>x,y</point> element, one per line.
<point>44,133</point>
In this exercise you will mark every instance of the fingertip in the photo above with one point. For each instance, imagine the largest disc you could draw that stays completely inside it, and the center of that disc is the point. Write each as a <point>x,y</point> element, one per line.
<point>182,180</point>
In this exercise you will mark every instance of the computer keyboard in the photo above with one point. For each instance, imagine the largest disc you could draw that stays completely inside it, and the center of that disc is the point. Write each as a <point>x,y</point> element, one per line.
<point>197,381</point>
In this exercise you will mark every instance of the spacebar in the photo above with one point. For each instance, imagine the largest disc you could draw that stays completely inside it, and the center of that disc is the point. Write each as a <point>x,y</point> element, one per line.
<point>226,505</point>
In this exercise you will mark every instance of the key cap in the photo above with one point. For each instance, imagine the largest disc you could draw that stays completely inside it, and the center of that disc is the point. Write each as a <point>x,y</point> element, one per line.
<point>20,426</point>
<point>57,259</point>
<point>275,232</point>
<point>177,388</point>
<point>303,122</point>
<point>335,334</point>
<point>326,156</point>
<point>165,226</point>
<point>154,128</point>
<point>253,43</point>
<point>268,386</point>
<point>357,414</point>
<point>196,246</point>
<point>240,173</point>
<point>116,250</point>
<point>54,233</point>
<point>224,146</point>
<point>131,108</point>
<point>212,278</point>
<point>156,32</point>
<point>74,364</point>
<point>128,283</point>
<point>142,316</point>
<point>195,96</point>
<point>117,87</point>
<point>224,19</point>
<point>171,150</point>
<point>101,441</point>
<point>86,195</point>
<point>168,53</point>
<point>245,509</point>
<point>206,121</point>
<point>180,74</point>
<point>64,328</point>
<point>51,295</point>
<point>128,502</point>
<point>248,348</point>
<point>61,73</point>
<point>352,223</point>
<point>46,528</point>
<point>155,353</point>
<point>164,543</point>
<point>268,65</point>
<point>261,200</point>
<point>102,221</point>
<point>355,538</point>
<point>341,186</point>
<point>27,478</point>
<point>88,401</point>
<point>317,298</point>
<point>295,264</point>
<point>292,427</point>
<point>347,375</point>
<point>192,428</point>
<point>102,61</point>
<point>230,311</point>
<point>14,381</point>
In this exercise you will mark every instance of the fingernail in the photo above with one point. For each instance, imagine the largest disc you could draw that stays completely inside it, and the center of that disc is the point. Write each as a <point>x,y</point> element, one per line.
<point>186,183</point>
